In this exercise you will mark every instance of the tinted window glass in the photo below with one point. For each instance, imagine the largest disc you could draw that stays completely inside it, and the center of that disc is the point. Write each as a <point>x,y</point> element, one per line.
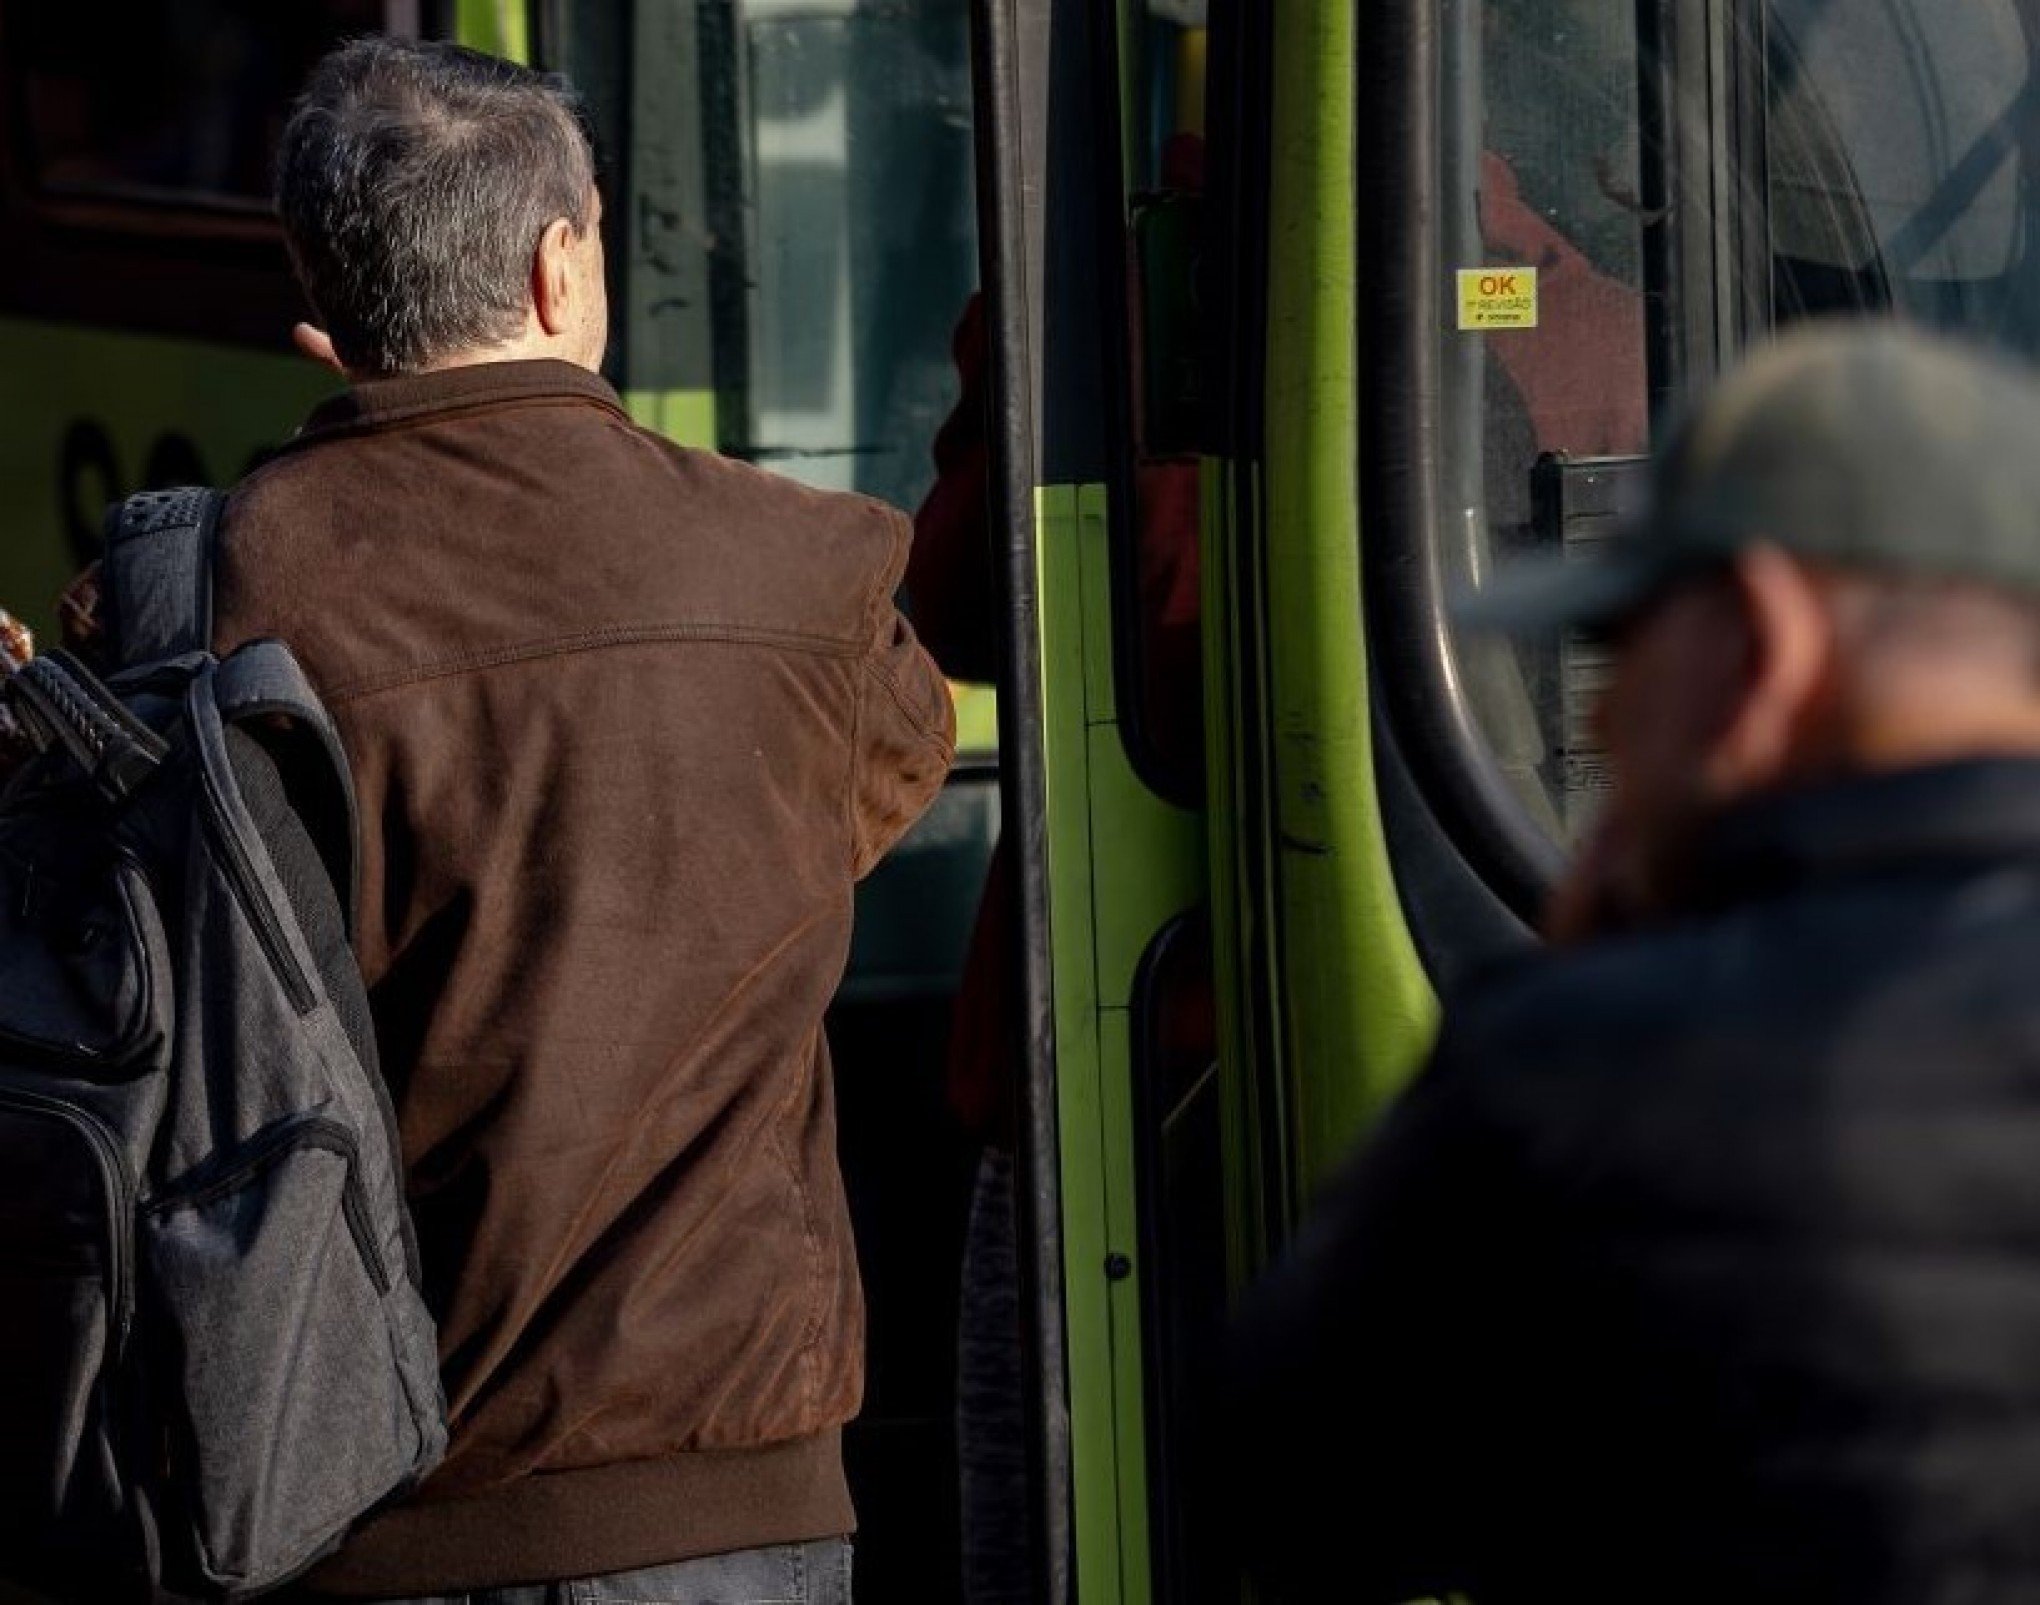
<point>1902,147</point>
<point>171,100</point>
<point>790,186</point>
<point>859,183</point>
<point>1544,336</point>
<point>1869,157</point>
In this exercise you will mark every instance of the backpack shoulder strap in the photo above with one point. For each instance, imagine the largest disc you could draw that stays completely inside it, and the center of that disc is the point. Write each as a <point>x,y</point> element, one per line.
<point>262,689</point>
<point>158,573</point>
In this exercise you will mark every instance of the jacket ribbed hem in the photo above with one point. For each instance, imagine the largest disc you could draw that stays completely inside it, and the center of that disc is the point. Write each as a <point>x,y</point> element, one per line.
<point>570,1524</point>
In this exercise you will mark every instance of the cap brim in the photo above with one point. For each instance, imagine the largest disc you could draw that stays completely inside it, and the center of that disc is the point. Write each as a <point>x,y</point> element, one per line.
<point>1553,592</point>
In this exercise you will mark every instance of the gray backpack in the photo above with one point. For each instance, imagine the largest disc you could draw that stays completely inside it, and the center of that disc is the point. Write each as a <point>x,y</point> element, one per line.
<point>214,1354</point>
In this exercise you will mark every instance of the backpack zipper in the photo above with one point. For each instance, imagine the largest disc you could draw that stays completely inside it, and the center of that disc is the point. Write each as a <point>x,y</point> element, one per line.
<point>247,889</point>
<point>266,1149</point>
<point>119,1188</point>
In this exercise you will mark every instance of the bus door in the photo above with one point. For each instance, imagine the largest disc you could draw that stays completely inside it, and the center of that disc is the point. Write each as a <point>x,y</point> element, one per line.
<point>1455,264</point>
<point>1097,169</point>
<point>1567,216</point>
<point>1461,261</point>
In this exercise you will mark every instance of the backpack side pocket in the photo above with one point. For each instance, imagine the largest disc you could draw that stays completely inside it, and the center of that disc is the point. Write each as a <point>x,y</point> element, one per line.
<point>269,1287</point>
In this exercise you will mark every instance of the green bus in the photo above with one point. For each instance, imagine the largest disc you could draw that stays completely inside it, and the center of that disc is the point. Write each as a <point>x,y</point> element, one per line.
<point>1299,316</point>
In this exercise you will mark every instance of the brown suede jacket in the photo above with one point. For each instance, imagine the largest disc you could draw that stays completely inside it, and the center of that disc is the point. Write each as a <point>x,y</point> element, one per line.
<point>627,722</point>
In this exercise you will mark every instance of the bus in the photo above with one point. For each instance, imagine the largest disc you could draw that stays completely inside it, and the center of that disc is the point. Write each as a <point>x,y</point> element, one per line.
<point>1298,317</point>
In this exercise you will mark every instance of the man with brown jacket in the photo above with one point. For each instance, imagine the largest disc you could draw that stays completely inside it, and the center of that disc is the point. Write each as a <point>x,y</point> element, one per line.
<point>627,722</point>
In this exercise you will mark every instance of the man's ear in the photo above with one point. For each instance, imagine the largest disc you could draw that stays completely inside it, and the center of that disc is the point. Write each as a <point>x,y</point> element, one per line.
<point>1788,661</point>
<point>552,277</point>
<point>316,343</point>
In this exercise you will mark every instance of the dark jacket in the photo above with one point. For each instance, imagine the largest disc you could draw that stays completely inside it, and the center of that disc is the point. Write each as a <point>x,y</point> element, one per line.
<point>627,721</point>
<point>1702,1264</point>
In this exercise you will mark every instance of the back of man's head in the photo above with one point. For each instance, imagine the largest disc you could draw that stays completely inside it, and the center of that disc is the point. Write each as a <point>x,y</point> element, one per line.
<point>414,181</point>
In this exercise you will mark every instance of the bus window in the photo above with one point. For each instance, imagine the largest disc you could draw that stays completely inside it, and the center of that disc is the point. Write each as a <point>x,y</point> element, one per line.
<point>135,150</point>
<point>1610,202</point>
<point>865,250</point>
<point>1179,1155</point>
<point>1902,143</point>
<point>1543,337</point>
<point>1887,171</point>
<point>795,241</point>
<point>178,101</point>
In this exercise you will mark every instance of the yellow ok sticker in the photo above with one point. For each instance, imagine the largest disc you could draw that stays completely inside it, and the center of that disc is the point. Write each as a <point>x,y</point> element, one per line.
<point>1498,298</point>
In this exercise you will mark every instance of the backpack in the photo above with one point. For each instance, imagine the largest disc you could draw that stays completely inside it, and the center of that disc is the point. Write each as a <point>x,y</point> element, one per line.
<point>214,1352</point>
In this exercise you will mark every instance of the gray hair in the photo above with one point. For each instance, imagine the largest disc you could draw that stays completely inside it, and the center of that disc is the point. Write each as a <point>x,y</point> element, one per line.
<point>414,181</point>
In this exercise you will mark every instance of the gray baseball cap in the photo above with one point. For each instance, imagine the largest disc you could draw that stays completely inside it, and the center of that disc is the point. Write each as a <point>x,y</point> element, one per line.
<point>1865,444</point>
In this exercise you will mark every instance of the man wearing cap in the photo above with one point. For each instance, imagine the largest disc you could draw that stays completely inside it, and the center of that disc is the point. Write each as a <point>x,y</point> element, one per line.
<point>1703,1260</point>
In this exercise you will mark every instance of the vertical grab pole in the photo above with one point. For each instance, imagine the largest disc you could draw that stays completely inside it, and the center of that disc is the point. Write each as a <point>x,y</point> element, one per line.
<point>1009,41</point>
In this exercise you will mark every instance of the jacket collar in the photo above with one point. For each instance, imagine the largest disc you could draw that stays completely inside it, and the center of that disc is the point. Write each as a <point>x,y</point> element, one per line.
<point>377,403</point>
<point>1979,811</point>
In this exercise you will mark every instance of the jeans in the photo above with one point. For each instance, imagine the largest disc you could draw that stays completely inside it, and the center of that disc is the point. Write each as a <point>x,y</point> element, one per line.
<point>785,1574</point>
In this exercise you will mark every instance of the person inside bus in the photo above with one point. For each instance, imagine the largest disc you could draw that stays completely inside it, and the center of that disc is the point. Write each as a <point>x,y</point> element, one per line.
<point>1703,1260</point>
<point>1578,373</point>
<point>626,721</point>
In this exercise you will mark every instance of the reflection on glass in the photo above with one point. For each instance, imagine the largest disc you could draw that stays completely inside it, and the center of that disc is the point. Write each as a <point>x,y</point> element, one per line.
<point>1541,174</point>
<point>1903,138</point>
<point>794,231</point>
<point>857,142</point>
<point>1894,166</point>
<point>1164,121</point>
<point>1896,156</point>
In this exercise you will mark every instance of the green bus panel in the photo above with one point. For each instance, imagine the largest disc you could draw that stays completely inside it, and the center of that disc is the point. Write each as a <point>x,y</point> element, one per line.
<point>1357,1009</point>
<point>1122,865</point>
<point>501,27</point>
<point>87,415</point>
